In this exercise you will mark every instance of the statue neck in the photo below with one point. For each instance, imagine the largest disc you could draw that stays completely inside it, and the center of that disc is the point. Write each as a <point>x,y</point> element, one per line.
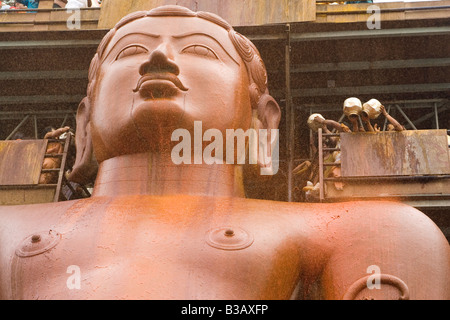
<point>155,174</point>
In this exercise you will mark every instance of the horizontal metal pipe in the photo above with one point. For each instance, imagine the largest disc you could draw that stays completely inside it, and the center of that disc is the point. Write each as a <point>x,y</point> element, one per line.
<point>34,186</point>
<point>384,178</point>
<point>367,65</point>
<point>387,10</point>
<point>45,10</point>
<point>22,113</point>
<point>45,22</point>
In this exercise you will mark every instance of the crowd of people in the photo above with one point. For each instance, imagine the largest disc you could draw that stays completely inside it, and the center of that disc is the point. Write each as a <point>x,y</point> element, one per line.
<point>19,4</point>
<point>57,4</point>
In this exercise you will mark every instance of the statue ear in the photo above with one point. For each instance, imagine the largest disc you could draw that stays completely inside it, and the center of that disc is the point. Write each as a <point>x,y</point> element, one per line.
<point>269,112</point>
<point>265,122</point>
<point>86,166</point>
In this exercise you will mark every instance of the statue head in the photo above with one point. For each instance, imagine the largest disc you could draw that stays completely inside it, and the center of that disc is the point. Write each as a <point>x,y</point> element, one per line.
<point>163,69</point>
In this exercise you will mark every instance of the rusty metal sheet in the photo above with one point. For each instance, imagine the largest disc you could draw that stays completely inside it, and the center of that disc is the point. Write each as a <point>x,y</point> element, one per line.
<point>406,153</point>
<point>21,161</point>
<point>20,196</point>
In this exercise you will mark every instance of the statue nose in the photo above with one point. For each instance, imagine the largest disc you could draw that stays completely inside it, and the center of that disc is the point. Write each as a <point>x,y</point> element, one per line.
<point>159,63</point>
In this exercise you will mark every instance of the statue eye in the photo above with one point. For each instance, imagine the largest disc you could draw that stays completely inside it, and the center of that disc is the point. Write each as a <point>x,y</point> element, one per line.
<point>200,50</point>
<point>131,50</point>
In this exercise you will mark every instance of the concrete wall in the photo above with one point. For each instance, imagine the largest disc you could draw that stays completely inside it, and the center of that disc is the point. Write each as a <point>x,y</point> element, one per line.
<point>236,12</point>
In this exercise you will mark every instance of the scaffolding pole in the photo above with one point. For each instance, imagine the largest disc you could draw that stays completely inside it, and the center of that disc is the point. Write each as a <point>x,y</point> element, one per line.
<point>289,115</point>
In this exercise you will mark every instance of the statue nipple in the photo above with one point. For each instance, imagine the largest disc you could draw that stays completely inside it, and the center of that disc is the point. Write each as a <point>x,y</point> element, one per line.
<point>227,238</point>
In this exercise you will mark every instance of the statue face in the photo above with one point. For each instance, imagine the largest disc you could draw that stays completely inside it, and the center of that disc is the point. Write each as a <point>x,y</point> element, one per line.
<point>159,74</point>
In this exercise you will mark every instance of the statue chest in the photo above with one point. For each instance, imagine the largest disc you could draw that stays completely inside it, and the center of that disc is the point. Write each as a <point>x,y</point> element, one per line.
<point>120,256</point>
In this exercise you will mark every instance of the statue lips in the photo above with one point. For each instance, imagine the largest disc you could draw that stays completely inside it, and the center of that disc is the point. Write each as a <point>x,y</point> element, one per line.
<point>159,85</point>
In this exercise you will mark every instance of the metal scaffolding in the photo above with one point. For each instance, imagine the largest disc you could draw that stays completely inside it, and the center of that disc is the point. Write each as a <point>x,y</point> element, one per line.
<point>308,66</point>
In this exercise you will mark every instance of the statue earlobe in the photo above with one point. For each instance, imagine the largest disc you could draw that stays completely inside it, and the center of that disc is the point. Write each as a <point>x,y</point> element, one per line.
<point>86,166</point>
<point>269,112</point>
<point>268,115</point>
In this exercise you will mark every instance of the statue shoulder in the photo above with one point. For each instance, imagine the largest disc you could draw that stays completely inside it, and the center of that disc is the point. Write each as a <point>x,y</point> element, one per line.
<point>405,247</point>
<point>395,214</point>
<point>393,220</point>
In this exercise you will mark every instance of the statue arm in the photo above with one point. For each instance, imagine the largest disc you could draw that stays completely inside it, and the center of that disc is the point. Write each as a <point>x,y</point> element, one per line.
<point>386,250</point>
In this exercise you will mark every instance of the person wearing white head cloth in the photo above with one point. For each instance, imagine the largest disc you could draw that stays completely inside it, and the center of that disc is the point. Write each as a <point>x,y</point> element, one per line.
<point>78,4</point>
<point>314,123</point>
<point>333,142</point>
<point>317,121</point>
<point>4,6</point>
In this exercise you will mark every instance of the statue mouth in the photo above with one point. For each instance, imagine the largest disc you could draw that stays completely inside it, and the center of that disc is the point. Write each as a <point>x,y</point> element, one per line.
<point>159,85</point>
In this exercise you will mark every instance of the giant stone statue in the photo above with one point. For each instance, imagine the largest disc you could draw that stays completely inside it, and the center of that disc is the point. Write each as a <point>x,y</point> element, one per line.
<point>155,229</point>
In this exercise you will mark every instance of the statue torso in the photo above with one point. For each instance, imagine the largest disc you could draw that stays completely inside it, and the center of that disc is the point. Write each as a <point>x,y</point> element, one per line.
<point>147,247</point>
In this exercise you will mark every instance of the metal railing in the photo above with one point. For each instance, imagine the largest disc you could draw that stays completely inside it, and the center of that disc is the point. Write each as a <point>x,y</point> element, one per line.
<point>37,16</point>
<point>37,10</point>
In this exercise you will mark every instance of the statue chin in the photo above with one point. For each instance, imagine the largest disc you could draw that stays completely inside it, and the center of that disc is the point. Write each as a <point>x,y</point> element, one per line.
<point>155,120</point>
